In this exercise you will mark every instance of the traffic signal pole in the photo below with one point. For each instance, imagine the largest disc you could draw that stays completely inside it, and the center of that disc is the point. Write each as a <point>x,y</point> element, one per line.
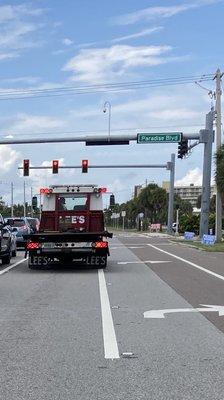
<point>207,137</point>
<point>171,166</point>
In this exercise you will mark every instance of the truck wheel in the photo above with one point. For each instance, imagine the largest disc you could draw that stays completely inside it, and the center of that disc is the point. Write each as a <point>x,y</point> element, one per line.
<point>14,253</point>
<point>6,259</point>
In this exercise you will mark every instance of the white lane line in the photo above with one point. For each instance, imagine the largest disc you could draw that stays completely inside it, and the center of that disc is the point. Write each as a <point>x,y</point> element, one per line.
<point>190,263</point>
<point>12,266</point>
<point>135,247</point>
<point>109,336</point>
<point>129,247</point>
<point>142,262</point>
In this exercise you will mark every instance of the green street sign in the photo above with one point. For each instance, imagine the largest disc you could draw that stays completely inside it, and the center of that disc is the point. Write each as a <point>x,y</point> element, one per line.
<point>168,137</point>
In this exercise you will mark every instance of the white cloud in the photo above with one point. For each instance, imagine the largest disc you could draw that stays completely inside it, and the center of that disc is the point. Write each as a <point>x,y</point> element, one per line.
<point>150,13</point>
<point>103,64</point>
<point>193,176</point>
<point>5,56</point>
<point>10,12</point>
<point>25,123</point>
<point>67,42</point>
<point>144,32</point>
<point>29,80</point>
<point>12,36</point>
<point>8,158</point>
<point>17,29</point>
<point>157,109</point>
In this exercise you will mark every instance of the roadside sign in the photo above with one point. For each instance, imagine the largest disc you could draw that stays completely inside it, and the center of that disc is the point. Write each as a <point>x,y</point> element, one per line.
<point>189,235</point>
<point>123,213</point>
<point>209,240</point>
<point>166,137</point>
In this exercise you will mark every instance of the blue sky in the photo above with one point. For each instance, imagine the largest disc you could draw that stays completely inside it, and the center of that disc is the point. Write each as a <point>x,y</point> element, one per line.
<point>46,44</point>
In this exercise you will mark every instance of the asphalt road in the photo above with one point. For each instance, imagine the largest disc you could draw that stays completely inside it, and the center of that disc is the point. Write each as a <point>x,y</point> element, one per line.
<point>81,334</point>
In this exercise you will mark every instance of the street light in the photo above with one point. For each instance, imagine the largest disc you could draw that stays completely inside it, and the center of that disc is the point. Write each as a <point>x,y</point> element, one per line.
<point>106,106</point>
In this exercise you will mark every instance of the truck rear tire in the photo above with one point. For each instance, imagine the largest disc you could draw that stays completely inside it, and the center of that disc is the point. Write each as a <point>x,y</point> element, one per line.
<point>14,253</point>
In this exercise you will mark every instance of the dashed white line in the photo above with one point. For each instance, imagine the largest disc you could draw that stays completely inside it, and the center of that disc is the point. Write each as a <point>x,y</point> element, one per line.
<point>189,262</point>
<point>12,266</point>
<point>109,335</point>
<point>142,262</point>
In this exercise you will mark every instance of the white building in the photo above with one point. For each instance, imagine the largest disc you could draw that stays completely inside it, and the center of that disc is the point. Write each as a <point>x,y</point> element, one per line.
<point>189,192</point>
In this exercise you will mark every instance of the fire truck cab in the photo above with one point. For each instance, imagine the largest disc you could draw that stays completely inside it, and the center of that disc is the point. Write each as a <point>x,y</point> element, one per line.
<point>71,228</point>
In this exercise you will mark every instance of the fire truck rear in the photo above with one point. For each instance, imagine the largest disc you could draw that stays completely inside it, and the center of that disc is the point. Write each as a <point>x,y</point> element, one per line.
<point>71,228</point>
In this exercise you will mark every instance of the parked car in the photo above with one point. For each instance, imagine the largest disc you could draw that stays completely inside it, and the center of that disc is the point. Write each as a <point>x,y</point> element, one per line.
<point>7,242</point>
<point>34,224</point>
<point>21,227</point>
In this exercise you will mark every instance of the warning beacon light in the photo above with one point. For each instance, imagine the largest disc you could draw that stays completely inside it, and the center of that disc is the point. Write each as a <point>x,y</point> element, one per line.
<point>26,167</point>
<point>55,165</point>
<point>85,166</point>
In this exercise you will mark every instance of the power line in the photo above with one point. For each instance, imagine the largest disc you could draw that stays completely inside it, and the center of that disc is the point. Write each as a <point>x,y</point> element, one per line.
<point>100,88</point>
<point>102,85</point>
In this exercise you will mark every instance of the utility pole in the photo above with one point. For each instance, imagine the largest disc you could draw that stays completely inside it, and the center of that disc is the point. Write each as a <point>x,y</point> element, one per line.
<point>31,195</point>
<point>177,221</point>
<point>218,93</point>
<point>24,199</point>
<point>207,138</point>
<point>12,199</point>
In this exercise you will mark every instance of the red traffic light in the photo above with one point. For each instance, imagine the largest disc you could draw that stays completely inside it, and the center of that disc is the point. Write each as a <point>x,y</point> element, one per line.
<point>55,165</point>
<point>26,167</point>
<point>85,166</point>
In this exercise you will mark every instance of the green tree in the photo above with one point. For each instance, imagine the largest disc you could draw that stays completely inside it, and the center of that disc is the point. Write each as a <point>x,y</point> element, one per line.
<point>185,206</point>
<point>153,202</point>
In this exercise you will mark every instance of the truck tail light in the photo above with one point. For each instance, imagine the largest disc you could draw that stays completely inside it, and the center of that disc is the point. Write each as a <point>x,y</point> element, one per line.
<point>100,245</point>
<point>32,245</point>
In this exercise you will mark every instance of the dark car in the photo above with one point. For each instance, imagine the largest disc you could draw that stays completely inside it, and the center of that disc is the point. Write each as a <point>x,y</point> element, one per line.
<point>7,242</point>
<point>21,227</point>
<point>34,224</point>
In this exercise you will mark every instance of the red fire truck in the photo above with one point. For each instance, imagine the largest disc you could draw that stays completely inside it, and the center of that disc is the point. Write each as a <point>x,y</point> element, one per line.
<point>71,228</point>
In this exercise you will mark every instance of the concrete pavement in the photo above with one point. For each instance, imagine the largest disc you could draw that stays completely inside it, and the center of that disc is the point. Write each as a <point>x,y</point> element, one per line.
<point>52,337</point>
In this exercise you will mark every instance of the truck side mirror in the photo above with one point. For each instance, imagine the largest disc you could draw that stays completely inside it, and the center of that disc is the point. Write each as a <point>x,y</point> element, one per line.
<point>34,203</point>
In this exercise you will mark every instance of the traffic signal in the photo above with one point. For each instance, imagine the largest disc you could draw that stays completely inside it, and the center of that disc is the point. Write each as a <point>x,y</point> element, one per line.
<point>55,164</point>
<point>26,167</point>
<point>34,203</point>
<point>182,148</point>
<point>112,200</point>
<point>85,166</point>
